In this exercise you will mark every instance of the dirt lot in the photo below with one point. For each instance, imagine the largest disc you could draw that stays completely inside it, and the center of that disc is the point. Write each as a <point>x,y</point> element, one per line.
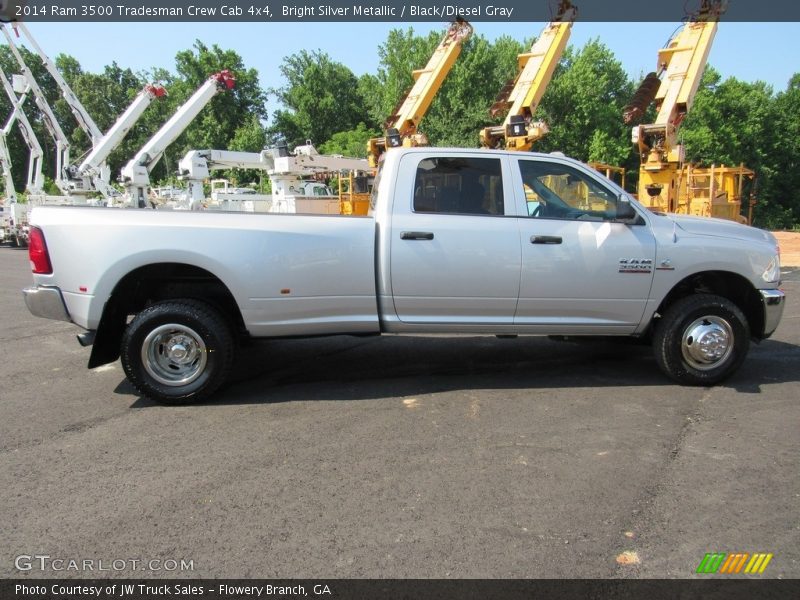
<point>790,248</point>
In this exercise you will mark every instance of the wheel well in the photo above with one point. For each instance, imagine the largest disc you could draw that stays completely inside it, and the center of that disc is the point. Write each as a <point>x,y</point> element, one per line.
<point>152,283</point>
<point>734,287</point>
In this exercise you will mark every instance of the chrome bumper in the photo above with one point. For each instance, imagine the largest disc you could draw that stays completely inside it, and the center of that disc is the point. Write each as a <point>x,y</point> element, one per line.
<point>773,302</point>
<point>46,302</point>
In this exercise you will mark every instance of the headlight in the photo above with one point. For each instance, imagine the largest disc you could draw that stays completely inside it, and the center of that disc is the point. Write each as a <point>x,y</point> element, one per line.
<point>773,271</point>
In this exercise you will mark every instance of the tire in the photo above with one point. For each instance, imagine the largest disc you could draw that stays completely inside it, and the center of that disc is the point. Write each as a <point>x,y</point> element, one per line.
<point>713,320</point>
<point>177,351</point>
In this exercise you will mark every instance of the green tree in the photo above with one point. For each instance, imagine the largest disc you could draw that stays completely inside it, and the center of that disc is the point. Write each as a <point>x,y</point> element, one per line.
<point>402,53</point>
<point>733,122</point>
<point>460,108</point>
<point>350,143</point>
<point>583,107</point>
<point>249,137</point>
<point>217,125</point>
<point>321,97</point>
<point>779,193</point>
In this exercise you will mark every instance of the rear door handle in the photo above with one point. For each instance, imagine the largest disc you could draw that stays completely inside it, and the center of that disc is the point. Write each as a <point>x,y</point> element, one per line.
<point>416,235</point>
<point>545,239</point>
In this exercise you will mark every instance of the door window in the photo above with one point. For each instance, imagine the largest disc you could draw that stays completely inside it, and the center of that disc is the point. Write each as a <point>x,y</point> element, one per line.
<point>460,185</point>
<point>559,191</point>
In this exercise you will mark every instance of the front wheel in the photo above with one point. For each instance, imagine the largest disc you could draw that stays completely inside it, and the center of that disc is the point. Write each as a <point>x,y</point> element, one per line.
<point>701,339</point>
<point>177,351</point>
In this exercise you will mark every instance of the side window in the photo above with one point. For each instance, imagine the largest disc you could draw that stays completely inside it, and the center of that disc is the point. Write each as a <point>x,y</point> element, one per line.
<point>557,191</point>
<point>461,185</point>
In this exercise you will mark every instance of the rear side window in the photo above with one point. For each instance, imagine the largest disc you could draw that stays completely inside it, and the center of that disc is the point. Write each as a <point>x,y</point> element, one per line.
<point>469,186</point>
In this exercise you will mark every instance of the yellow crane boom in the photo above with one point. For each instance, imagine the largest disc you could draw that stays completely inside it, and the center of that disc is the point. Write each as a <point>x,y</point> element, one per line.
<point>665,183</point>
<point>520,98</point>
<point>401,127</point>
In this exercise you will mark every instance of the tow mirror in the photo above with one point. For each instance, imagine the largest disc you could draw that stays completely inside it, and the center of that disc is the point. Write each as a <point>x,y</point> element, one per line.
<point>625,210</point>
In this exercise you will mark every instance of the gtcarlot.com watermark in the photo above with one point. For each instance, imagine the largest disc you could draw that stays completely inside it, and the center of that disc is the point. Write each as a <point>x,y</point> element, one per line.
<point>45,562</point>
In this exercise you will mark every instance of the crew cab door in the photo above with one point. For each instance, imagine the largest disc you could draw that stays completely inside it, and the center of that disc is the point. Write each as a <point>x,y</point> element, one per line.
<point>454,251</point>
<point>581,269</point>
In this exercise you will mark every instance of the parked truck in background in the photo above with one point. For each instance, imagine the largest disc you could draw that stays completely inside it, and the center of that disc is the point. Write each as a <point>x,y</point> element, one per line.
<point>458,241</point>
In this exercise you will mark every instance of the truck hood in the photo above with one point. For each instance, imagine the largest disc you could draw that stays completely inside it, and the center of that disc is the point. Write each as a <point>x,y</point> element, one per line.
<point>720,228</point>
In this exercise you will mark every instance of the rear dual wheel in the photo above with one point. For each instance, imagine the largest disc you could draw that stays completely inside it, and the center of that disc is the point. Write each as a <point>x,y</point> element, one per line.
<point>177,351</point>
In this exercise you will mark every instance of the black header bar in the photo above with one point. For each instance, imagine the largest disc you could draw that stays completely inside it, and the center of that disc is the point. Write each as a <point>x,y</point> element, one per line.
<point>387,11</point>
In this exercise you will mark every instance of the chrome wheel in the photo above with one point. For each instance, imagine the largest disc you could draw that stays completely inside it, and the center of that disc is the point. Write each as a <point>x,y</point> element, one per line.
<point>707,342</point>
<point>174,355</point>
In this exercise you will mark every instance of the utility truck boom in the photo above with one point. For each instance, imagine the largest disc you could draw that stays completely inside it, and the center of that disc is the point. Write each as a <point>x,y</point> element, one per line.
<point>90,174</point>
<point>136,174</point>
<point>401,127</point>
<point>520,98</point>
<point>49,118</point>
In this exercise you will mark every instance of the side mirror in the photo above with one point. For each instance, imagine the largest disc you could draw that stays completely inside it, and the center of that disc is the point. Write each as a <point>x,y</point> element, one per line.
<point>625,211</point>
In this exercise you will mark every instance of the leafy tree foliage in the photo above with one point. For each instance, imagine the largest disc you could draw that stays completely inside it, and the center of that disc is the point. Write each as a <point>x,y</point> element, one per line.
<point>461,109</point>
<point>350,143</point>
<point>731,121</point>
<point>321,97</point>
<point>583,107</point>
<point>402,53</point>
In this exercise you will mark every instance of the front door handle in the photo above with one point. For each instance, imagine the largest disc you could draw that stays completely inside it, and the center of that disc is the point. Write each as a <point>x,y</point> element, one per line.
<point>545,239</point>
<point>416,235</point>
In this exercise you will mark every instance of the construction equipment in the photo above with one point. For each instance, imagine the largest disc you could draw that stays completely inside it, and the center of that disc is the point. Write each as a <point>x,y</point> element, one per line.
<point>197,165</point>
<point>293,192</point>
<point>401,127</point>
<point>612,172</point>
<point>665,182</point>
<point>520,98</point>
<point>291,176</point>
<point>135,176</point>
<point>84,119</point>
<point>49,118</point>
<point>13,214</point>
<point>91,174</point>
<point>35,181</point>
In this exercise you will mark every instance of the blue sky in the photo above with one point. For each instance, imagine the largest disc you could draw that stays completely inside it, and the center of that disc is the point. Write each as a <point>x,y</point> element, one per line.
<point>749,51</point>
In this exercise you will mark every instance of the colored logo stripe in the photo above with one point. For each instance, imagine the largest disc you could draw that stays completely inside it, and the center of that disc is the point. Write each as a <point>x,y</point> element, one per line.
<point>711,562</point>
<point>721,562</point>
<point>734,562</point>
<point>758,563</point>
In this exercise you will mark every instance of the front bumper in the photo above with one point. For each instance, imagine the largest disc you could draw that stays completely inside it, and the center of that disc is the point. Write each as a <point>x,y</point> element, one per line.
<point>46,302</point>
<point>773,302</point>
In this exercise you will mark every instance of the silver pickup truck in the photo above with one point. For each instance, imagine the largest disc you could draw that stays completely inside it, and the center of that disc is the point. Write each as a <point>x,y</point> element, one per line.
<point>459,241</point>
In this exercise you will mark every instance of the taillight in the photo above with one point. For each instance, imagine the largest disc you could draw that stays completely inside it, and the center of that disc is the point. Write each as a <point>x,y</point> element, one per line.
<point>37,252</point>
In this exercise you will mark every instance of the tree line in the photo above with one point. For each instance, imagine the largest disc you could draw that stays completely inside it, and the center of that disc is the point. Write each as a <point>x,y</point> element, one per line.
<point>322,100</point>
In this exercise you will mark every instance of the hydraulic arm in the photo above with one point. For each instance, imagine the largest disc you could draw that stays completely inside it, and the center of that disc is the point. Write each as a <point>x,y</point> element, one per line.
<point>671,89</point>
<point>35,181</point>
<point>401,127</point>
<point>136,174</point>
<point>520,99</point>
<point>50,121</point>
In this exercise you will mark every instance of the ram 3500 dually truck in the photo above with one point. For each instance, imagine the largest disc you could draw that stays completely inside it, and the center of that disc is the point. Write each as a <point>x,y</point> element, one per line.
<point>458,241</point>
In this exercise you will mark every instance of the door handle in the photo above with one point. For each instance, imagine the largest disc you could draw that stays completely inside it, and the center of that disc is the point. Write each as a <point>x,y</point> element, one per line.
<point>416,235</point>
<point>545,239</point>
